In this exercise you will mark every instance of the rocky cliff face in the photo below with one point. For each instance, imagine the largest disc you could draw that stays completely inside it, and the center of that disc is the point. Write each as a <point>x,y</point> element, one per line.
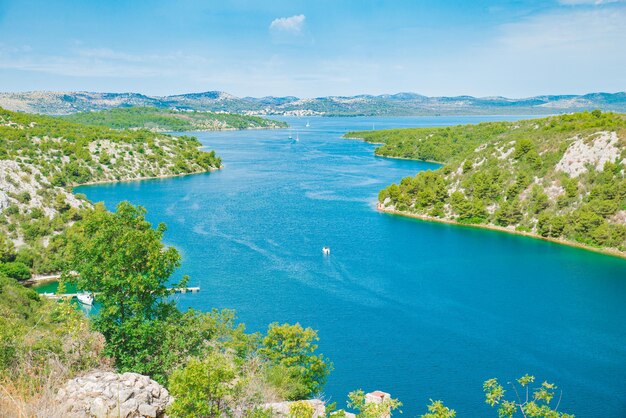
<point>103,394</point>
<point>23,185</point>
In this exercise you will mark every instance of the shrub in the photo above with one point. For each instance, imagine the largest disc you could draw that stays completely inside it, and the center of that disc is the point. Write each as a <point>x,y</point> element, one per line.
<point>15,270</point>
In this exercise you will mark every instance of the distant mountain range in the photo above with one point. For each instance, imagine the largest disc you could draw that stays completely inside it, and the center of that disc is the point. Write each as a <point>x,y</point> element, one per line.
<point>401,104</point>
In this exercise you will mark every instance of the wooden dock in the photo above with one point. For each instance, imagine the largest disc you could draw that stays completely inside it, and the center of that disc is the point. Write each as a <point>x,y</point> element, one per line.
<point>54,296</point>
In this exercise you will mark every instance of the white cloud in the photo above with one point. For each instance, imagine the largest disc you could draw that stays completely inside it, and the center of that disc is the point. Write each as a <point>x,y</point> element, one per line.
<point>587,2</point>
<point>567,50</point>
<point>581,33</point>
<point>98,62</point>
<point>293,24</point>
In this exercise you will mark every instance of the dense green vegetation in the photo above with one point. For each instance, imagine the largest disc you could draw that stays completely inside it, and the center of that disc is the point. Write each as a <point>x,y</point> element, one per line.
<point>431,144</point>
<point>67,153</point>
<point>518,175</point>
<point>171,120</point>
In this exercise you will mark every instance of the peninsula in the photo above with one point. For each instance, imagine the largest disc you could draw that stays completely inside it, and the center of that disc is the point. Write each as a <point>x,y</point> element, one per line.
<point>160,120</point>
<point>42,158</point>
<point>559,178</point>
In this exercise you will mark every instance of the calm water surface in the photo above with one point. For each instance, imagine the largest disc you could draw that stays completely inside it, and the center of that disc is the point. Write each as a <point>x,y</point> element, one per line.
<point>421,310</point>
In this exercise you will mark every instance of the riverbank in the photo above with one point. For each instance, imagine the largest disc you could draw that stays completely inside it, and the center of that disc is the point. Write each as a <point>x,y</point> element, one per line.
<point>165,176</point>
<point>37,279</point>
<point>426,218</point>
<point>356,138</point>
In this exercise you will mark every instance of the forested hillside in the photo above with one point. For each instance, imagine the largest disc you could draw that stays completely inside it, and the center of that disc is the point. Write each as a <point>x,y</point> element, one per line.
<point>42,157</point>
<point>171,120</point>
<point>560,177</point>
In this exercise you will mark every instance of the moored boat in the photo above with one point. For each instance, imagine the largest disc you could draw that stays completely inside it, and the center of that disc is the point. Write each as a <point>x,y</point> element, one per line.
<point>85,298</point>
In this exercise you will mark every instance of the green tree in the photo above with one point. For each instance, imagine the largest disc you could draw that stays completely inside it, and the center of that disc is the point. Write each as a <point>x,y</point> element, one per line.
<point>7,249</point>
<point>60,203</point>
<point>509,213</point>
<point>15,270</point>
<point>61,288</point>
<point>292,348</point>
<point>121,257</point>
<point>550,226</point>
<point>537,406</point>
<point>437,409</point>
<point>301,409</point>
<point>203,388</point>
<point>357,401</point>
<point>523,147</point>
<point>538,200</point>
<point>196,334</point>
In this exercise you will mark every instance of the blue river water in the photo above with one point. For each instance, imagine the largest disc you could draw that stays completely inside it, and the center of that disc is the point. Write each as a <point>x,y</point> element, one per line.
<point>420,310</point>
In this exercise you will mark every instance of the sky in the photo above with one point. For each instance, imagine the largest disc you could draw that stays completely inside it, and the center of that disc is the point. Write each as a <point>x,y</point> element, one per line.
<point>512,48</point>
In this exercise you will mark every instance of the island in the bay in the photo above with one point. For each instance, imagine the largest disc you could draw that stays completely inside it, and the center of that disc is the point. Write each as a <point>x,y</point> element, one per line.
<point>559,178</point>
<point>158,119</point>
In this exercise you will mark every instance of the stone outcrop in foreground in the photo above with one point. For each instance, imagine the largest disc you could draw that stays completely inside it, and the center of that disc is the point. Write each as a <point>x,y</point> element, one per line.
<point>106,394</point>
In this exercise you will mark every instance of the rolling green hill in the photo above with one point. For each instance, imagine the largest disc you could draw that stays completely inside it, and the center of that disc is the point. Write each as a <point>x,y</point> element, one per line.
<point>561,177</point>
<point>171,120</point>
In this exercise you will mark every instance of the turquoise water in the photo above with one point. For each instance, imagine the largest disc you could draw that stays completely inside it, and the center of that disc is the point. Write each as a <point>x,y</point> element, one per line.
<point>421,310</point>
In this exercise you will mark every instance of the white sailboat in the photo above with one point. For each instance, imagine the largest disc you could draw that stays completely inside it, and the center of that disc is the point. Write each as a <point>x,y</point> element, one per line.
<point>326,250</point>
<point>307,124</point>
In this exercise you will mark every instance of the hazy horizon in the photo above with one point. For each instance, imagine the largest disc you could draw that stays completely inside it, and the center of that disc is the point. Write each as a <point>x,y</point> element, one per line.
<point>307,97</point>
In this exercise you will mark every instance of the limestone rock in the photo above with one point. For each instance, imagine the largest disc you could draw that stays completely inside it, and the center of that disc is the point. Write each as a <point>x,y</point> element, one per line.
<point>281,409</point>
<point>594,150</point>
<point>104,394</point>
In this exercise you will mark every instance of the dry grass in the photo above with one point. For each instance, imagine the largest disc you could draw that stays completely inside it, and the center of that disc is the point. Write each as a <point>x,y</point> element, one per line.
<point>44,344</point>
<point>31,390</point>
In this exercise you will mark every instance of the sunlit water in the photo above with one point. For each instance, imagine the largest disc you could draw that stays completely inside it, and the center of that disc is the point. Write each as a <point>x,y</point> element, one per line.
<point>421,310</point>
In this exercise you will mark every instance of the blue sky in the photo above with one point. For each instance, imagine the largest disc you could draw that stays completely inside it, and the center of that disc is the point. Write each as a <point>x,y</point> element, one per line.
<point>514,48</point>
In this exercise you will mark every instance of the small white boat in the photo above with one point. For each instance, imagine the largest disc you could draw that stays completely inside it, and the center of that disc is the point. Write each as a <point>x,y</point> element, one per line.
<point>326,250</point>
<point>307,124</point>
<point>85,298</point>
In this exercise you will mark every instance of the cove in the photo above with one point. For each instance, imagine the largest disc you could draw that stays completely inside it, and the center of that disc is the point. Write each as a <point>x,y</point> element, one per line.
<point>421,310</point>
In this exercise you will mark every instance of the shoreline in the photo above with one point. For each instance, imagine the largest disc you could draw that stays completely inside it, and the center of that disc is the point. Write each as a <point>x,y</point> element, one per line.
<point>41,278</point>
<point>410,159</point>
<point>257,128</point>
<point>356,138</point>
<point>426,218</point>
<point>164,176</point>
